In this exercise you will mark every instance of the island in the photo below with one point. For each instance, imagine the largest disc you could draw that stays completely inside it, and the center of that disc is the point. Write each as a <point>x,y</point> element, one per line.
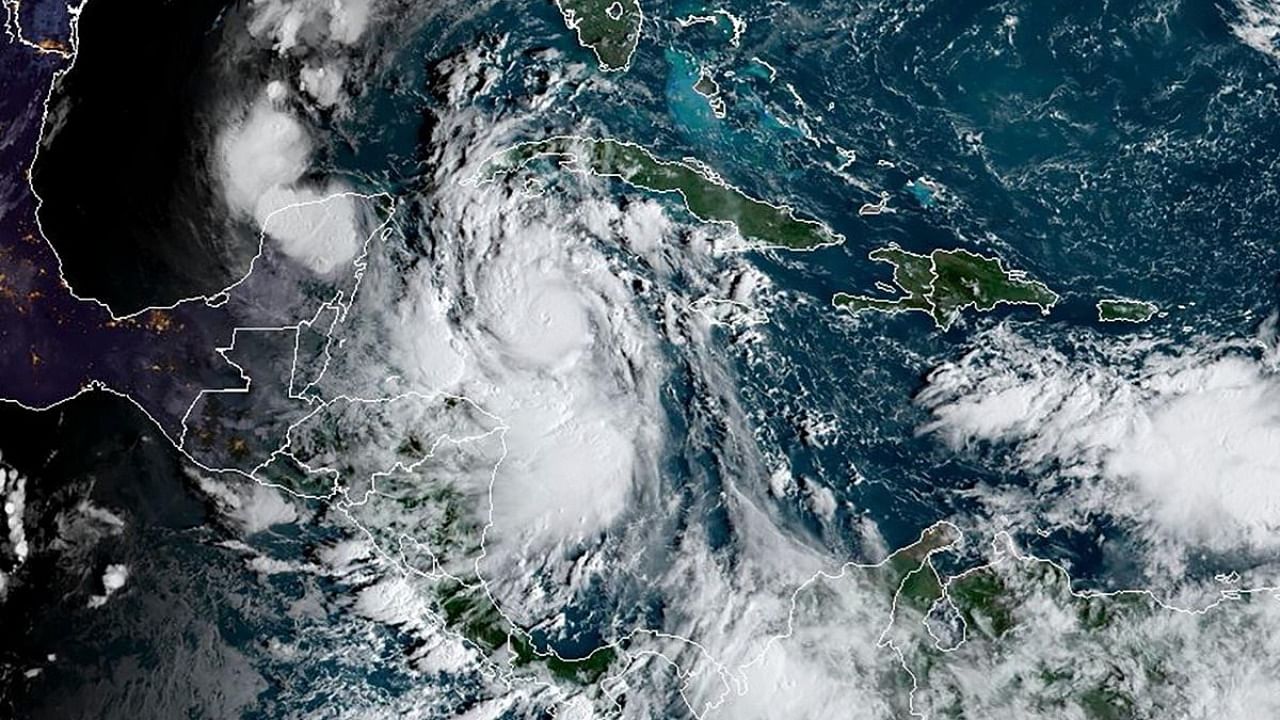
<point>609,28</point>
<point>707,87</point>
<point>944,282</point>
<point>706,196</point>
<point>1126,310</point>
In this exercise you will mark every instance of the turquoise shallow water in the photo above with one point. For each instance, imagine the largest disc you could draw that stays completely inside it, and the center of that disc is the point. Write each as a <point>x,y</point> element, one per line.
<point>1106,150</point>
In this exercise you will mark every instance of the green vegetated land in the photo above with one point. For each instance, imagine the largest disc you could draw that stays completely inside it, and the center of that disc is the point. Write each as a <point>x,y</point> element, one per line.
<point>708,198</point>
<point>1125,310</point>
<point>1002,615</point>
<point>706,86</point>
<point>1003,609</point>
<point>1014,633</point>
<point>908,573</point>
<point>1015,629</point>
<point>944,282</point>
<point>611,28</point>
<point>469,611</point>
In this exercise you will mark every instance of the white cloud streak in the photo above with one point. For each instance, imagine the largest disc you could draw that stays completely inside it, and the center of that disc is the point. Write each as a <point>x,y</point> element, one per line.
<point>1185,445</point>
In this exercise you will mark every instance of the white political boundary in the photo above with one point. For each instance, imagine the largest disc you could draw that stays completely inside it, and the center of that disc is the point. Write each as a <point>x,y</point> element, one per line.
<point>13,29</point>
<point>341,310</point>
<point>1152,310</point>
<point>574,23</point>
<point>212,299</point>
<point>736,24</point>
<point>613,685</point>
<point>493,167</point>
<point>217,299</point>
<point>1013,274</point>
<point>1004,548</point>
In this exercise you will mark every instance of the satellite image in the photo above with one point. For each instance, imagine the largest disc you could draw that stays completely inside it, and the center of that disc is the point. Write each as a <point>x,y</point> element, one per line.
<point>640,359</point>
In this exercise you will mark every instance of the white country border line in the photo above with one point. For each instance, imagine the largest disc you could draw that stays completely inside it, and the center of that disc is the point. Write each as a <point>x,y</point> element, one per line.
<point>572,162</point>
<point>13,28</point>
<point>220,298</point>
<point>1152,310</point>
<point>1004,547</point>
<point>615,685</point>
<point>773,71</point>
<point>1014,274</point>
<point>617,644</point>
<point>303,394</point>
<point>284,449</point>
<point>737,24</point>
<point>213,299</point>
<point>713,97</point>
<point>254,474</point>
<point>1003,544</point>
<point>335,304</point>
<point>507,674</point>
<point>572,22</point>
<point>844,568</point>
<point>341,304</point>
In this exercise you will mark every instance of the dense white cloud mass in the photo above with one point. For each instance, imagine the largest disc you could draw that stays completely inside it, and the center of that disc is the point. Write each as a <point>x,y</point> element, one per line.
<point>263,156</point>
<point>529,413</point>
<point>264,150</point>
<point>552,345</point>
<point>496,421</point>
<point>561,316</point>
<point>1063,653</point>
<point>319,230</point>
<point>13,493</point>
<point>113,578</point>
<point>1258,25</point>
<point>252,506</point>
<point>1185,445</point>
<point>1208,456</point>
<point>309,22</point>
<point>322,82</point>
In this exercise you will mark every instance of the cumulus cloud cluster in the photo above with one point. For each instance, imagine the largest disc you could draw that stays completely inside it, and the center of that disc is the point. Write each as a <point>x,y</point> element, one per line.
<point>263,157</point>
<point>251,506</point>
<point>13,491</point>
<point>563,315</point>
<point>1073,654</point>
<point>113,578</point>
<point>524,313</point>
<point>263,152</point>
<point>1257,24</point>
<point>1182,444</point>
<point>290,25</point>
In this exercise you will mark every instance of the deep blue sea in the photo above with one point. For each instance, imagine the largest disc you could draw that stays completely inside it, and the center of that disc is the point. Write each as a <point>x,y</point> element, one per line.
<point>1107,149</point>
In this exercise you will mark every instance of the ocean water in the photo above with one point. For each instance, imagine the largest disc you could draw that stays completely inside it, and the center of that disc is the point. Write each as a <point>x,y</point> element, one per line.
<point>1106,150</point>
